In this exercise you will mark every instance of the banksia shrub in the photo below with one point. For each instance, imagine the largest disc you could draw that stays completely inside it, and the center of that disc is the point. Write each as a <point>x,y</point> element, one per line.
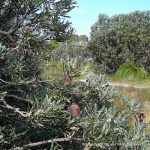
<point>71,108</point>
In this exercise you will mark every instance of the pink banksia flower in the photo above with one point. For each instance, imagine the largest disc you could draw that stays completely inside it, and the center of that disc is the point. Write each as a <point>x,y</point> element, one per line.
<point>74,110</point>
<point>67,80</point>
<point>29,29</point>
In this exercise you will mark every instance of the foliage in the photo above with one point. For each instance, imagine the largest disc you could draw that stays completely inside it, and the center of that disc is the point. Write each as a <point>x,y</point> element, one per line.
<point>121,38</point>
<point>44,18</point>
<point>72,51</point>
<point>52,70</point>
<point>35,110</point>
<point>48,117</point>
<point>131,71</point>
<point>26,27</point>
<point>75,47</point>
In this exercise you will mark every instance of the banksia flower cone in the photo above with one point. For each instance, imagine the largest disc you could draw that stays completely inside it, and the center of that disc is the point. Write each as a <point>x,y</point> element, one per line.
<point>29,29</point>
<point>67,80</point>
<point>33,87</point>
<point>78,93</point>
<point>74,110</point>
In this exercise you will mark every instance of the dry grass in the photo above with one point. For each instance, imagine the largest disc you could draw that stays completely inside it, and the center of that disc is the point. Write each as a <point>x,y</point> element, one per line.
<point>142,95</point>
<point>132,82</point>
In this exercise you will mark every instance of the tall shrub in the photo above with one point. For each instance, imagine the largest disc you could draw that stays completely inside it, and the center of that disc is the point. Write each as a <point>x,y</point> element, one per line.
<point>119,38</point>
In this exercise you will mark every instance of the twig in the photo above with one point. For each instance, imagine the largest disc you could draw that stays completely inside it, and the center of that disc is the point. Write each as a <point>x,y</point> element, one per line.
<point>136,118</point>
<point>87,147</point>
<point>20,98</point>
<point>47,142</point>
<point>23,114</point>
<point>11,83</point>
<point>5,82</point>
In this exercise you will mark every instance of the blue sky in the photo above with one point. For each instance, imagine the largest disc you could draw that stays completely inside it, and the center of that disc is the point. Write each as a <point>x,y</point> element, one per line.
<point>86,14</point>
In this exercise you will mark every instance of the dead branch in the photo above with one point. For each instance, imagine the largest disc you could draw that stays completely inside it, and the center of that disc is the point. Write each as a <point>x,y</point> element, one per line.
<point>17,97</point>
<point>47,142</point>
<point>7,106</point>
<point>11,83</point>
<point>21,83</point>
<point>5,82</point>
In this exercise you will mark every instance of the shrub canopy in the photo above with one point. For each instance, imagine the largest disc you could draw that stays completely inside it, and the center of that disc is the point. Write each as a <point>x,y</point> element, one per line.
<point>121,38</point>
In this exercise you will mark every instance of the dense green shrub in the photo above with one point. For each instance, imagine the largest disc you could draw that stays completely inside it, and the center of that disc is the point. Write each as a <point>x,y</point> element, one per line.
<point>131,71</point>
<point>119,38</point>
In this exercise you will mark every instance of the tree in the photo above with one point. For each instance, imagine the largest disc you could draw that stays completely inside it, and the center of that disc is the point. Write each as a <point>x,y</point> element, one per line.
<point>121,38</point>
